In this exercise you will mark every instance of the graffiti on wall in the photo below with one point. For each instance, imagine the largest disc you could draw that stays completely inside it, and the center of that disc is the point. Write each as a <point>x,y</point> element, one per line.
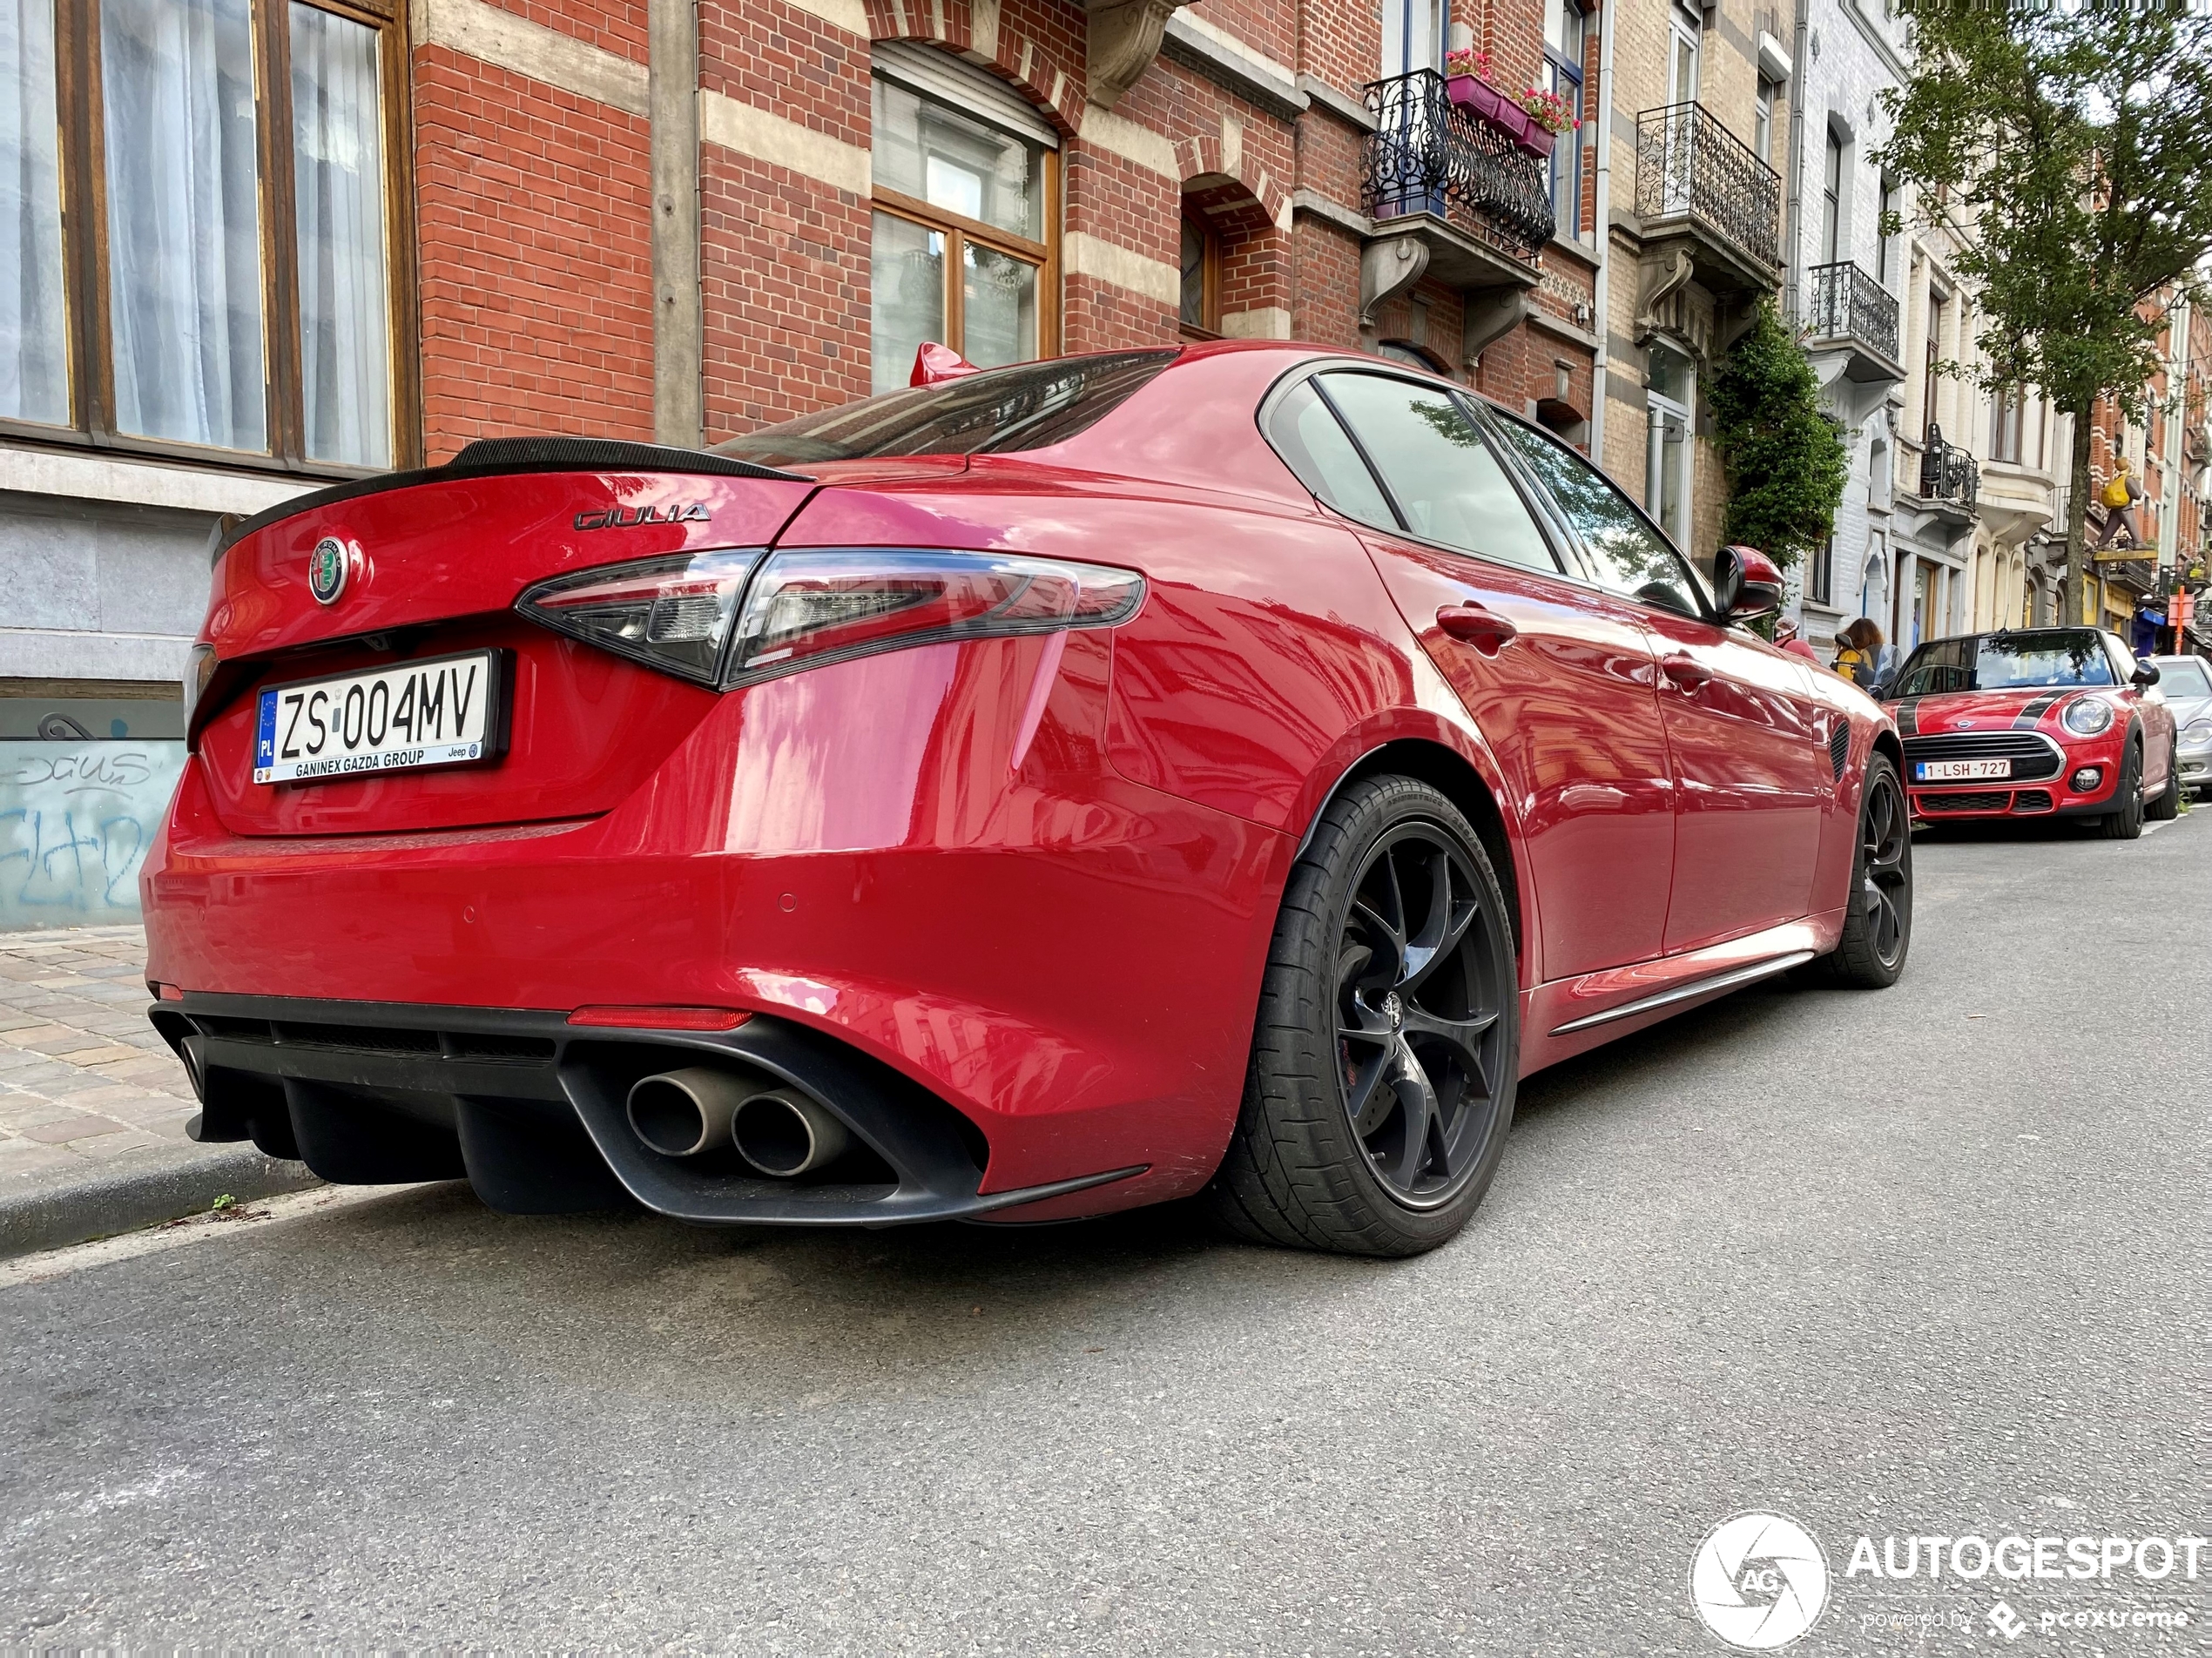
<point>76,819</point>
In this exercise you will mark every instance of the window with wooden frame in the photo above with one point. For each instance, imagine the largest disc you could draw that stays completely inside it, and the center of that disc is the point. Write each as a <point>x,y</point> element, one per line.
<point>205,236</point>
<point>965,249</point>
<point>1200,318</point>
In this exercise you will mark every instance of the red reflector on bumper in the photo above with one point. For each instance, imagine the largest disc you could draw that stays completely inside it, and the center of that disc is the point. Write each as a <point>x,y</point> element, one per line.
<point>660,1018</point>
<point>167,992</point>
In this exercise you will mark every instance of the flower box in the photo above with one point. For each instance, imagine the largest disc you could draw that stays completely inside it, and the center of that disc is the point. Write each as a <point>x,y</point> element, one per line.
<point>1536,140</point>
<point>1514,122</point>
<point>1483,100</point>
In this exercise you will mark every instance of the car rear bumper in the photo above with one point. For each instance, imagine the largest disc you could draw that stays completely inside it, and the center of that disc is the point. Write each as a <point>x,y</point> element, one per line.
<point>530,1109</point>
<point>1068,960</point>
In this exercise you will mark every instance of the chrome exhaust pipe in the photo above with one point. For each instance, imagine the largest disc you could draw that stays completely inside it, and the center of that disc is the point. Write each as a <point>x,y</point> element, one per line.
<point>783,1134</point>
<point>681,1114</point>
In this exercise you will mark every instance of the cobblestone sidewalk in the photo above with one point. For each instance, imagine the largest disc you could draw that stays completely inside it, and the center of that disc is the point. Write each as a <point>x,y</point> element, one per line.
<point>85,1082</point>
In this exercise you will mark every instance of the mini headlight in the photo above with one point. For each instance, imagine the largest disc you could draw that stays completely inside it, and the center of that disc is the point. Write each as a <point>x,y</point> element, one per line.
<point>2087,715</point>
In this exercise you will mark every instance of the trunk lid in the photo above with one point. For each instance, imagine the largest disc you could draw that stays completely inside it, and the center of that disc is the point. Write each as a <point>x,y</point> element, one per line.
<point>434,563</point>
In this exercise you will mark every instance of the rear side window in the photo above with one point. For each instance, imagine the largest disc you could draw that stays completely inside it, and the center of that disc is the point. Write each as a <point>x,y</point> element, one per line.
<point>1026,406</point>
<point>1448,485</point>
<point>1312,445</point>
<point>1629,555</point>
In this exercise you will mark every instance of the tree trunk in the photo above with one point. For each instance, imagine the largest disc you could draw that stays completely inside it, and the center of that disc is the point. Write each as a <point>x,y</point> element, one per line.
<point>2077,525</point>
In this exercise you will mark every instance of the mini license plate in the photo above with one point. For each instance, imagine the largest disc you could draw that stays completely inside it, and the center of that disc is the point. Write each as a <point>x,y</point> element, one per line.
<point>448,711</point>
<point>1959,771</point>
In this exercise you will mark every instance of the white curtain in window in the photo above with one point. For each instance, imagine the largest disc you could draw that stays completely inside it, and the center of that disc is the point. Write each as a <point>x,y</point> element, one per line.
<point>34,355</point>
<point>183,228</point>
<point>337,170</point>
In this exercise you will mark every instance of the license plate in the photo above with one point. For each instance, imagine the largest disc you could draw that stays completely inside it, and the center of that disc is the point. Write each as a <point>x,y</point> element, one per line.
<point>1959,771</point>
<point>444,711</point>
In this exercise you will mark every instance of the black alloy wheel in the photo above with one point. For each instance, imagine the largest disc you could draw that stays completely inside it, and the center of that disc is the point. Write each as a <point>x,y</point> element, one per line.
<point>1417,1016</point>
<point>1386,1049</point>
<point>1878,919</point>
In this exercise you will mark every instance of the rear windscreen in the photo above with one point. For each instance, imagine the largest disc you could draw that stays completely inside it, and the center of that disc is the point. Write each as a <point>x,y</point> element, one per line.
<point>1026,406</point>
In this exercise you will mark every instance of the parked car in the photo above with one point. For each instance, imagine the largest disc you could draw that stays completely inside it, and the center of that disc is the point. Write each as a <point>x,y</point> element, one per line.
<point>2037,722</point>
<point>1065,787</point>
<point>2186,683</point>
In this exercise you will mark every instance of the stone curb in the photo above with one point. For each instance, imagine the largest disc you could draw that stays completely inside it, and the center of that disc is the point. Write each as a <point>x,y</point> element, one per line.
<point>158,1187</point>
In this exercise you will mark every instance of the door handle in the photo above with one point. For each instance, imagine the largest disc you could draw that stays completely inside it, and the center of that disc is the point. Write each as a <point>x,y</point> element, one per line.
<point>1686,672</point>
<point>1487,631</point>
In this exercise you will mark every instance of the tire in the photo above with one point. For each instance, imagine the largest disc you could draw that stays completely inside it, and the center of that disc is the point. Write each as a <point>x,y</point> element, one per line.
<point>1383,1069</point>
<point>2167,806</point>
<point>1878,919</point>
<point>2126,822</point>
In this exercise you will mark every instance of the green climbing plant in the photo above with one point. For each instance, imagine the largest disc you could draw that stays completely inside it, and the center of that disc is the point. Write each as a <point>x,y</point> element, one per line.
<point>1785,457</point>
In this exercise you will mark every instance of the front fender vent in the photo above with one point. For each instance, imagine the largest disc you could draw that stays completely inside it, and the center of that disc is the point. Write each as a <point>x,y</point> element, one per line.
<point>1839,748</point>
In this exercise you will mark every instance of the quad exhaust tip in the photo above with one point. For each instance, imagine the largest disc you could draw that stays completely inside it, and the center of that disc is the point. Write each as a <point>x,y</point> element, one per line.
<point>778,1131</point>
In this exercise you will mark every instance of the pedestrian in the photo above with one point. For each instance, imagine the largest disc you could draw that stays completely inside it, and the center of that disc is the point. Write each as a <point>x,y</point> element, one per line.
<point>1859,653</point>
<point>1787,636</point>
<point>2119,497</point>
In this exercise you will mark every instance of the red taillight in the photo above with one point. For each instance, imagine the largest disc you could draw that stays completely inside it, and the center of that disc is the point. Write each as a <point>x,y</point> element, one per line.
<point>806,609</point>
<point>660,1018</point>
<point>672,613</point>
<point>683,613</point>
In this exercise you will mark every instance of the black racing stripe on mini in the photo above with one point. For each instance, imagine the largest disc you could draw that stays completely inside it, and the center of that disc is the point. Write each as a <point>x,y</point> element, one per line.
<point>2031,715</point>
<point>1908,718</point>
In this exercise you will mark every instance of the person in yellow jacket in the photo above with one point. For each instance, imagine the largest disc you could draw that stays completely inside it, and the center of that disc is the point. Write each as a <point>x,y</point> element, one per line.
<point>2119,498</point>
<point>1858,653</point>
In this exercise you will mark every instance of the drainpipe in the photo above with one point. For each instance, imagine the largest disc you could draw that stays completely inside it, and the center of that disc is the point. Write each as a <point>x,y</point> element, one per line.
<point>1655,463</point>
<point>1794,269</point>
<point>1603,232</point>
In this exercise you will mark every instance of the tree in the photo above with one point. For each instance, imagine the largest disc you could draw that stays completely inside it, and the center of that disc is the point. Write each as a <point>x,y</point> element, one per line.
<point>1786,465</point>
<point>2072,144</point>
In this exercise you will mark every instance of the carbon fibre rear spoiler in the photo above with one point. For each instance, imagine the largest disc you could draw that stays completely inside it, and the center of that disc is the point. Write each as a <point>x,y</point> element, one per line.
<point>504,457</point>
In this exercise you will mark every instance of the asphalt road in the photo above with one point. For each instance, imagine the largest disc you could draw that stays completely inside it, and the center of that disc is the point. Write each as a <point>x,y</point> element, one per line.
<point>1928,1261</point>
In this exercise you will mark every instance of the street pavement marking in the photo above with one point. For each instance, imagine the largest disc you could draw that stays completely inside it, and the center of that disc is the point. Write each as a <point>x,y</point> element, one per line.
<point>193,1229</point>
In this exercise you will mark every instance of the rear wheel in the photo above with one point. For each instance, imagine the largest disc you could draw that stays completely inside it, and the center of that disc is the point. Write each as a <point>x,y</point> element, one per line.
<point>1385,1055</point>
<point>1878,922</point>
<point>2126,822</point>
<point>2168,806</point>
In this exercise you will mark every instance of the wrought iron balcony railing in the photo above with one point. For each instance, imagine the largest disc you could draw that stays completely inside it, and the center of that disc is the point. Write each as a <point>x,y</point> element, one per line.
<point>1427,155</point>
<point>1948,473</point>
<point>1690,166</point>
<point>1843,302</point>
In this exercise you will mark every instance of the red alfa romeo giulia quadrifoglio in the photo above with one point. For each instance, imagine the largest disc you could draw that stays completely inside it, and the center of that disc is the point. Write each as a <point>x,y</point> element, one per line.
<point>2037,723</point>
<point>1057,789</point>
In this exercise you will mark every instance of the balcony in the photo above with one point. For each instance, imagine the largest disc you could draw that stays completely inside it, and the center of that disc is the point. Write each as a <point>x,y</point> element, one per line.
<point>1428,158</point>
<point>1848,312</point>
<point>1697,179</point>
<point>1949,482</point>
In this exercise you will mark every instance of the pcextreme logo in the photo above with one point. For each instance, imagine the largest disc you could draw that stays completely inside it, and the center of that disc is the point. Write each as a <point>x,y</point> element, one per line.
<point>1758,1580</point>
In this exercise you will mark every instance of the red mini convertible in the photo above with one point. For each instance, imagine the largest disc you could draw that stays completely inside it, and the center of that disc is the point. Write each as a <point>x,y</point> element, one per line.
<point>2037,722</point>
<point>1061,788</point>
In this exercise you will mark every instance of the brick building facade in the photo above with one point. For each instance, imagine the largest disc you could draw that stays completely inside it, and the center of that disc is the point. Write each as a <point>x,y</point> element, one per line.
<point>684,219</point>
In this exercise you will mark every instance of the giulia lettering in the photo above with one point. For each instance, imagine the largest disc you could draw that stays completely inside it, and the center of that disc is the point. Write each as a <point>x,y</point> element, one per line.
<point>691,512</point>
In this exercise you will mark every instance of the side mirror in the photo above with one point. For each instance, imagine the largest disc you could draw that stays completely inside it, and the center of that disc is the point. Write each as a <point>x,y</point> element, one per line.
<point>1746,585</point>
<point>2146,674</point>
